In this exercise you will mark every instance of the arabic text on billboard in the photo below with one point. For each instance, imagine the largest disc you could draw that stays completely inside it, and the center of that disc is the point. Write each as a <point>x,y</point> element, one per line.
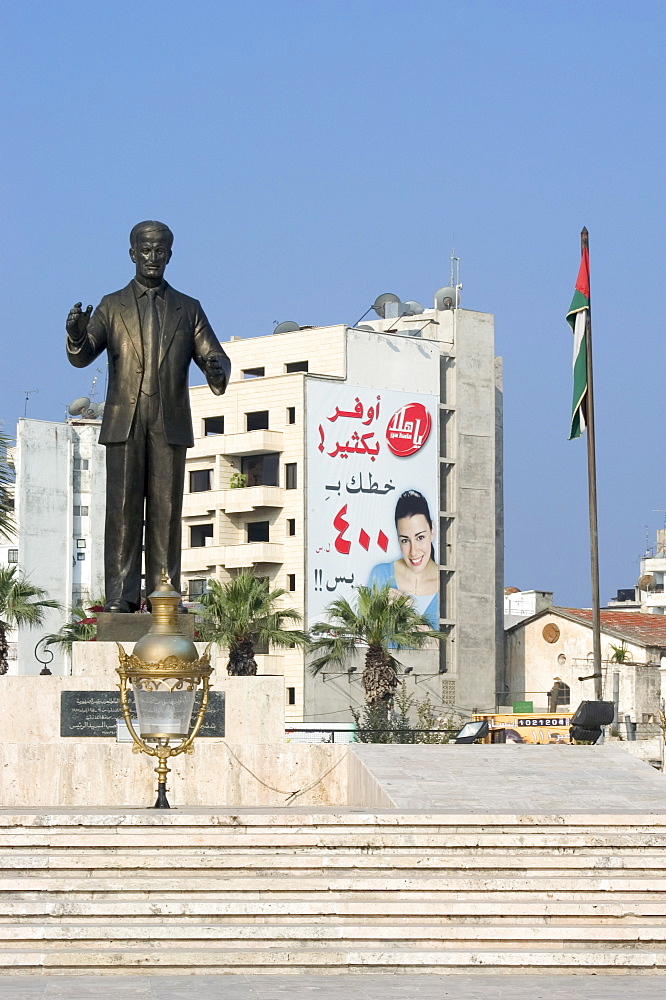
<point>372,495</point>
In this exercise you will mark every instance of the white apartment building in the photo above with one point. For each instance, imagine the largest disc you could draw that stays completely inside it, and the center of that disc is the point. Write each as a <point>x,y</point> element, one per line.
<point>295,472</point>
<point>60,490</point>
<point>650,588</point>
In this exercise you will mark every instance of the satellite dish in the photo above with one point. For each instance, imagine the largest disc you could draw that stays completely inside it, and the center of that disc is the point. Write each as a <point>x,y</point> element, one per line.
<point>365,327</point>
<point>647,582</point>
<point>287,327</point>
<point>78,407</point>
<point>411,308</point>
<point>447,298</point>
<point>380,303</point>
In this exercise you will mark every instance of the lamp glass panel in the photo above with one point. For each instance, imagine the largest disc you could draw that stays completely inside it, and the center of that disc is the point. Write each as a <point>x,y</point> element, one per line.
<point>164,713</point>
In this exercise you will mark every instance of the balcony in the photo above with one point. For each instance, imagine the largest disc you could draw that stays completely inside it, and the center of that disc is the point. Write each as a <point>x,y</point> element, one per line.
<point>251,443</point>
<point>202,558</point>
<point>249,553</point>
<point>198,504</point>
<point>248,498</point>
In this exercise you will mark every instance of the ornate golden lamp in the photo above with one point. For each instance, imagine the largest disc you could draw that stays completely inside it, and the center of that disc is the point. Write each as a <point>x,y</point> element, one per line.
<point>165,671</point>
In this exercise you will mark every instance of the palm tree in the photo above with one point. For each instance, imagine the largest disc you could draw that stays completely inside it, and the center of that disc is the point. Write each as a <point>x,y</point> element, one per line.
<point>7,525</point>
<point>242,613</point>
<point>81,627</point>
<point>381,621</point>
<point>21,604</point>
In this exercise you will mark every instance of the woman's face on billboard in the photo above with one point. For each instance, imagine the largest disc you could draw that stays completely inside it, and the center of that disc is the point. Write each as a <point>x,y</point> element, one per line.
<point>415,537</point>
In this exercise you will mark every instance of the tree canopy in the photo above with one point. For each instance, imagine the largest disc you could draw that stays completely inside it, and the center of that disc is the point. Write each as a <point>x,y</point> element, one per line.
<point>381,621</point>
<point>21,604</point>
<point>244,613</point>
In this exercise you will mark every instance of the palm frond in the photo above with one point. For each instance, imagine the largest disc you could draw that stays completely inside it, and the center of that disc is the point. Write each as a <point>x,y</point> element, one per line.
<point>243,612</point>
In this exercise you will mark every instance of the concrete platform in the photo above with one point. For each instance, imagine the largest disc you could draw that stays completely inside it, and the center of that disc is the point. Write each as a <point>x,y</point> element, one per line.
<point>514,778</point>
<point>384,987</point>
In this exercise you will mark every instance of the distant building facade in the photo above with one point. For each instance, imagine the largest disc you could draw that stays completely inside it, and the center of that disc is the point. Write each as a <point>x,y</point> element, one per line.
<point>556,645</point>
<point>520,604</point>
<point>60,504</point>
<point>296,470</point>
<point>650,589</point>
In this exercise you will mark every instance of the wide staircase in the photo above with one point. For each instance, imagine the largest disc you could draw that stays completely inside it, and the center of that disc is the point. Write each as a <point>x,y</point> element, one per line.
<point>337,890</point>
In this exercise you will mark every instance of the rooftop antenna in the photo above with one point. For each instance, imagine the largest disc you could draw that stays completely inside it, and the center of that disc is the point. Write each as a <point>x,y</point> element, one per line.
<point>454,279</point>
<point>93,384</point>
<point>28,393</point>
<point>658,510</point>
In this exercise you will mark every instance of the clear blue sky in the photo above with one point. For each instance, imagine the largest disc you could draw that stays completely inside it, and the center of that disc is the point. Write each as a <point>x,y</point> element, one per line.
<point>311,154</point>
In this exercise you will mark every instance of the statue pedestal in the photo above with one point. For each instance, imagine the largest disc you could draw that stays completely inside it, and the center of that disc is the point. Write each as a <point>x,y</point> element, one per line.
<point>113,627</point>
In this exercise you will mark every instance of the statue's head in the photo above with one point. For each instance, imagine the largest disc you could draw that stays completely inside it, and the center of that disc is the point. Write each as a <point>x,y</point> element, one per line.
<point>150,249</point>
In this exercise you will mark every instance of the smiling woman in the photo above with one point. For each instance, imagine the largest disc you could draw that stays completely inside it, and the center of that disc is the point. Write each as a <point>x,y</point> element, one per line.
<point>415,573</point>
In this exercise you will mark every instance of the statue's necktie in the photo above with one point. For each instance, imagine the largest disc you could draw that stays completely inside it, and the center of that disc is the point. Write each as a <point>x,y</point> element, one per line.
<point>151,344</point>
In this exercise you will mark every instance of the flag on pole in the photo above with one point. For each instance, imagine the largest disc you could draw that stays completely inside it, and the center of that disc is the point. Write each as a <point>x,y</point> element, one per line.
<point>577,318</point>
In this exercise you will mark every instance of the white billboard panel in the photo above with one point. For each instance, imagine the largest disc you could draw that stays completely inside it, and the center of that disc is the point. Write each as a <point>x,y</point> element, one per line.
<point>372,461</point>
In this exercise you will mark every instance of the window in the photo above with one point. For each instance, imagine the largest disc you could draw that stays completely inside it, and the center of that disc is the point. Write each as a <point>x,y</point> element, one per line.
<point>198,535</point>
<point>196,588</point>
<point>213,426</point>
<point>253,372</point>
<point>80,543</point>
<point>257,421</point>
<point>261,470</point>
<point>81,463</point>
<point>291,696</point>
<point>80,556</point>
<point>296,366</point>
<point>291,414</point>
<point>257,531</point>
<point>290,476</point>
<point>291,525</point>
<point>201,480</point>
<point>12,555</point>
<point>291,582</point>
<point>563,694</point>
<point>80,511</point>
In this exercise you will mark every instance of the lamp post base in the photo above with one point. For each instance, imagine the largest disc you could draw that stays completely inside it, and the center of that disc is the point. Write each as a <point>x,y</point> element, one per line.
<point>162,802</point>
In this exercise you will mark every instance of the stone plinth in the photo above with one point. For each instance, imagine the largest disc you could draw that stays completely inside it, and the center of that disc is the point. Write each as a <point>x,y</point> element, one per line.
<point>102,773</point>
<point>130,628</point>
<point>30,708</point>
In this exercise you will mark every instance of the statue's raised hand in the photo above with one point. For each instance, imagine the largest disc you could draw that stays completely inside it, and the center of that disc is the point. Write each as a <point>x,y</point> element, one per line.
<point>77,321</point>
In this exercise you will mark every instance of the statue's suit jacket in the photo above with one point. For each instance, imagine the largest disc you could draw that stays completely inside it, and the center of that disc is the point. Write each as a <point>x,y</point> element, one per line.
<point>185,336</point>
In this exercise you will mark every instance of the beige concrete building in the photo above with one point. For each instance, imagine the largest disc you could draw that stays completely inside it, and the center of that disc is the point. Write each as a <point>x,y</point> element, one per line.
<point>556,644</point>
<point>255,500</point>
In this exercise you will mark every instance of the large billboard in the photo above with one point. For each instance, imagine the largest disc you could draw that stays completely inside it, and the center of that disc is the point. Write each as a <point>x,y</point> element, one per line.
<point>372,501</point>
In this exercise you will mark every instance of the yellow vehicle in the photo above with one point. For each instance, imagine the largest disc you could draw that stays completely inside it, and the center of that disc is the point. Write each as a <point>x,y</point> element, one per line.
<point>532,727</point>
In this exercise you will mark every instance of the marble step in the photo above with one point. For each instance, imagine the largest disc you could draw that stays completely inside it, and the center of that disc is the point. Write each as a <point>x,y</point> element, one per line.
<point>327,960</point>
<point>381,934</point>
<point>321,908</point>
<point>341,817</point>
<point>260,864</point>
<point>307,837</point>
<point>203,884</point>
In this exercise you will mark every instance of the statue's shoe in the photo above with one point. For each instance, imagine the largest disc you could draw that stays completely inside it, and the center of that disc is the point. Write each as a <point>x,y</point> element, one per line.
<point>121,606</point>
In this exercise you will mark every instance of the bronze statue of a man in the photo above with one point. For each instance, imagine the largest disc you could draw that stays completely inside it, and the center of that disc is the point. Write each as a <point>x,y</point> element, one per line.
<point>151,333</point>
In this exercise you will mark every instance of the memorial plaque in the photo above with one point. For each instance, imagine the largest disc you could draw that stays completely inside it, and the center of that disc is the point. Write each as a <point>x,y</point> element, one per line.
<point>94,713</point>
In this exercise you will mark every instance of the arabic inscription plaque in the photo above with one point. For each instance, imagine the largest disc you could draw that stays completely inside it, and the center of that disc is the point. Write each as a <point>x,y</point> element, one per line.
<point>95,713</point>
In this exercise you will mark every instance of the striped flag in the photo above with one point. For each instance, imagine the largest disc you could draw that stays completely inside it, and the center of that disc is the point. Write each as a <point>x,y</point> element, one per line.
<point>577,317</point>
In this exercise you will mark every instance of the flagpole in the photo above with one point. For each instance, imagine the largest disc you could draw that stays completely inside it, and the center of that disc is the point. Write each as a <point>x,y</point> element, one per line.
<point>592,493</point>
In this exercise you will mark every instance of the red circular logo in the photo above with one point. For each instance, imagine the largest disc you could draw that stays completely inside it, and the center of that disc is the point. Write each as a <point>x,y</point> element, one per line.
<point>408,429</point>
